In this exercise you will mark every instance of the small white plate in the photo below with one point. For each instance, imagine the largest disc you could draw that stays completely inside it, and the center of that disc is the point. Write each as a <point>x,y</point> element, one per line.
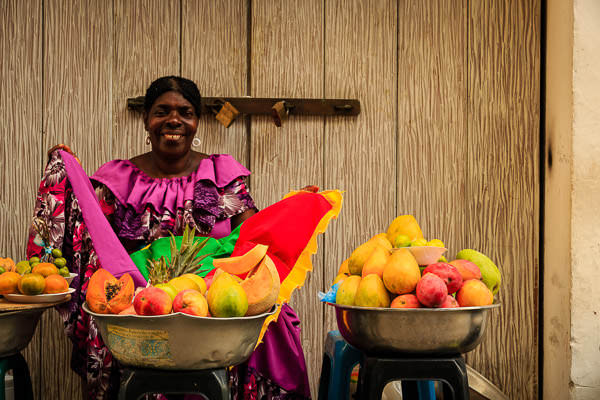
<point>38,298</point>
<point>70,277</point>
<point>425,255</point>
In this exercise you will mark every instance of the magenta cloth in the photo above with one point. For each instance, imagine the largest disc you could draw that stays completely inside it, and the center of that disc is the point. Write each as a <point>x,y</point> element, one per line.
<point>288,371</point>
<point>136,189</point>
<point>111,253</point>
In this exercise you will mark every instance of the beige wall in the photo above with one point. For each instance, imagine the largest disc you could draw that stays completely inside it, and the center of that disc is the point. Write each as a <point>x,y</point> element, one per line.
<point>572,206</point>
<point>448,132</point>
<point>585,237</point>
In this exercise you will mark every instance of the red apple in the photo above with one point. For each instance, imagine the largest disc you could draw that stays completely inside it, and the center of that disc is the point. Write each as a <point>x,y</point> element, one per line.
<point>449,274</point>
<point>191,302</point>
<point>450,302</point>
<point>152,301</point>
<point>405,301</point>
<point>467,269</point>
<point>431,290</point>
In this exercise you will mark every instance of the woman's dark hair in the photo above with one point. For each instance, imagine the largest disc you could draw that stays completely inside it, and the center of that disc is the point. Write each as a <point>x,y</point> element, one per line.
<point>185,87</point>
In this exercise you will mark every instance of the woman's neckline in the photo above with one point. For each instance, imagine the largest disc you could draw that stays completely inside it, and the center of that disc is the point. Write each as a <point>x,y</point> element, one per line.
<point>138,161</point>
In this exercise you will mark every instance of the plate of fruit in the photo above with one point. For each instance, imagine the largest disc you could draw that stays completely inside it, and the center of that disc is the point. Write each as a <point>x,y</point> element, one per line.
<point>38,298</point>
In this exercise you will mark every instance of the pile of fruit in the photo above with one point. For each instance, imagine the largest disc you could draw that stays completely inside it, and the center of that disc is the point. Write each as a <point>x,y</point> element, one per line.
<point>388,271</point>
<point>173,285</point>
<point>33,276</point>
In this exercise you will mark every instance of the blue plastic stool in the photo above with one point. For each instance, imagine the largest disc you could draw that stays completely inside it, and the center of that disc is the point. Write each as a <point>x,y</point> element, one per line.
<point>22,379</point>
<point>340,358</point>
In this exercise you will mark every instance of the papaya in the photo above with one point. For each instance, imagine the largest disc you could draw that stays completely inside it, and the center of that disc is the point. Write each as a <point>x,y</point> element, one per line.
<point>262,287</point>
<point>8,264</point>
<point>107,294</point>
<point>242,264</point>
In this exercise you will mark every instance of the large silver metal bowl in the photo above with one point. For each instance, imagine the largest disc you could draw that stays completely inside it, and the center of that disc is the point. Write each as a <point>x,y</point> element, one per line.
<point>17,329</point>
<point>179,341</point>
<point>427,331</point>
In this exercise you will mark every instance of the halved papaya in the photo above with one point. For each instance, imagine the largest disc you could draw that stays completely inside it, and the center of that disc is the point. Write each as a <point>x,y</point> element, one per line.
<point>262,287</point>
<point>244,263</point>
<point>107,294</point>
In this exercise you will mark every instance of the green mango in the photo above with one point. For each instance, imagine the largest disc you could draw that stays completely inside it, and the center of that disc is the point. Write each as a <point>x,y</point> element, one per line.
<point>490,274</point>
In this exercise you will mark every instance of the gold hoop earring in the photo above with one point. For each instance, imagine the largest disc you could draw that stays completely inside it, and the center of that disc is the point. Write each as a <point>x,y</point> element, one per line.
<point>148,139</point>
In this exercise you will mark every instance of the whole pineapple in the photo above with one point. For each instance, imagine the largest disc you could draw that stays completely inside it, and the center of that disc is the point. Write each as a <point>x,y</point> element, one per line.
<point>183,260</point>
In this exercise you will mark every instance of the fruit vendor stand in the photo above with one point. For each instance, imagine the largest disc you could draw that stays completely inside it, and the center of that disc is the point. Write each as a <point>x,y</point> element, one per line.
<point>408,314</point>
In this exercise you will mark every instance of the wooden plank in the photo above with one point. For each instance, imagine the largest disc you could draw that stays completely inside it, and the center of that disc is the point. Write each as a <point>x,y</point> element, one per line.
<point>78,54</point>
<point>503,190</point>
<point>287,61</point>
<point>77,78</point>
<point>213,54</point>
<point>20,136</point>
<point>146,48</point>
<point>6,305</point>
<point>558,155</point>
<point>360,153</point>
<point>432,126</point>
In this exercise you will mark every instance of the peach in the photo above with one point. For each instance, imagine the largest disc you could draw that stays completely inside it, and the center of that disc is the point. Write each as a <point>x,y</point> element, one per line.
<point>448,273</point>
<point>128,311</point>
<point>191,302</point>
<point>431,290</point>
<point>474,293</point>
<point>467,269</point>
<point>405,301</point>
<point>450,302</point>
<point>152,301</point>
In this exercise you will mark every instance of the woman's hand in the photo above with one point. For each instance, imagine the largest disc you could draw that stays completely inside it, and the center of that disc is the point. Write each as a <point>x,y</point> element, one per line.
<point>310,188</point>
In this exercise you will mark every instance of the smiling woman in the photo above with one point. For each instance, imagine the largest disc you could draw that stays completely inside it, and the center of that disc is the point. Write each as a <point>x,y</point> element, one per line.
<point>147,198</point>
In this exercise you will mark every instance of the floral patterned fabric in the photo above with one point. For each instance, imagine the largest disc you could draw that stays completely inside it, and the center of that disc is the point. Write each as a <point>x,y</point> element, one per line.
<point>57,205</point>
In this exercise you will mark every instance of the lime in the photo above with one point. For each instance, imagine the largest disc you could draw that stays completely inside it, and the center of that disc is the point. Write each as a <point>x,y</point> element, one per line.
<point>443,259</point>
<point>56,253</point>
<point>2,270</point>
<point>401,241</point>
<point>34,260</point>
<point>418,242</point>
<point>60,262</point>
<point>64,272</point>
<point>435,243</point>
<point>33,264</point>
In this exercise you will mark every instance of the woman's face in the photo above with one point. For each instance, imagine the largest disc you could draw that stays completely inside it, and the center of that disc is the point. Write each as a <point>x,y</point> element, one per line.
<point>171,124</point>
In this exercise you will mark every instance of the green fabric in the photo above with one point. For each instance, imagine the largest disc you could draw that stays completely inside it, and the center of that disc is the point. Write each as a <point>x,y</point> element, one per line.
<point>215,248</point>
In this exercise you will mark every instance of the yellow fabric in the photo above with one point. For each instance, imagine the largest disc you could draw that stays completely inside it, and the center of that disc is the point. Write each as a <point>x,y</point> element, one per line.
<point>297,275</point>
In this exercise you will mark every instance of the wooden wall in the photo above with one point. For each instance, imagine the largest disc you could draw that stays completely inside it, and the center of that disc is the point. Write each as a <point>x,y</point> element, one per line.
<point>449,130</point>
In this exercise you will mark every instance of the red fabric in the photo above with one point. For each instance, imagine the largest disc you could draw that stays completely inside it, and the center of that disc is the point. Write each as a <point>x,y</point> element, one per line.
<point>286,227</point>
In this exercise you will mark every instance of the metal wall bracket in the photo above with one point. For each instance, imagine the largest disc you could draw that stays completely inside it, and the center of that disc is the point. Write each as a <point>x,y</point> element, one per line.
<point>264,106</point>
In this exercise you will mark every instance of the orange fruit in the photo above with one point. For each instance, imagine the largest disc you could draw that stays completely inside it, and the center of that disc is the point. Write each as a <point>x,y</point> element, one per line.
<point>32,284</point>
<point>45,269</point>
<point>9,282</point>
<point>56,284</point>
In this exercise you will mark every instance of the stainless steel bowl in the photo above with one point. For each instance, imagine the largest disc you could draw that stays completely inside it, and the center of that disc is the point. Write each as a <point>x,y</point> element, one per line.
<point>17,329</point>
<point>179,341</point>
<point>427,331</point>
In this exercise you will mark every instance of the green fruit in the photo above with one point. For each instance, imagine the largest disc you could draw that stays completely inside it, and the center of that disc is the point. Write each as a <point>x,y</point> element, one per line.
<point>401,241</point>
<point>33,264</point>
<point>60,262</point>
<point>443,259</point>
<point>34,260</point>
<point>2,270</point>
<point>23,269</point>
<point>418,243</point>
<point>56,253</point>
<point>490,274</point>
<point>64,272</point>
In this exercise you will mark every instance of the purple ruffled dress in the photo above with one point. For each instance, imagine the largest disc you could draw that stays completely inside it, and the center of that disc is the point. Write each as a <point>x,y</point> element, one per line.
<point>141,209</point>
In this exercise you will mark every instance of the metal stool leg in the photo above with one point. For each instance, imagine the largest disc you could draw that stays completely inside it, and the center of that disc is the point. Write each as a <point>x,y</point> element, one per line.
<point>21,377</point>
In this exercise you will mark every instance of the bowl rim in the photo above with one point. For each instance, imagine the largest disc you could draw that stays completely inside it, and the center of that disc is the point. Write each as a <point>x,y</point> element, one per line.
<point>422,309</point>
<point>179,315</point>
